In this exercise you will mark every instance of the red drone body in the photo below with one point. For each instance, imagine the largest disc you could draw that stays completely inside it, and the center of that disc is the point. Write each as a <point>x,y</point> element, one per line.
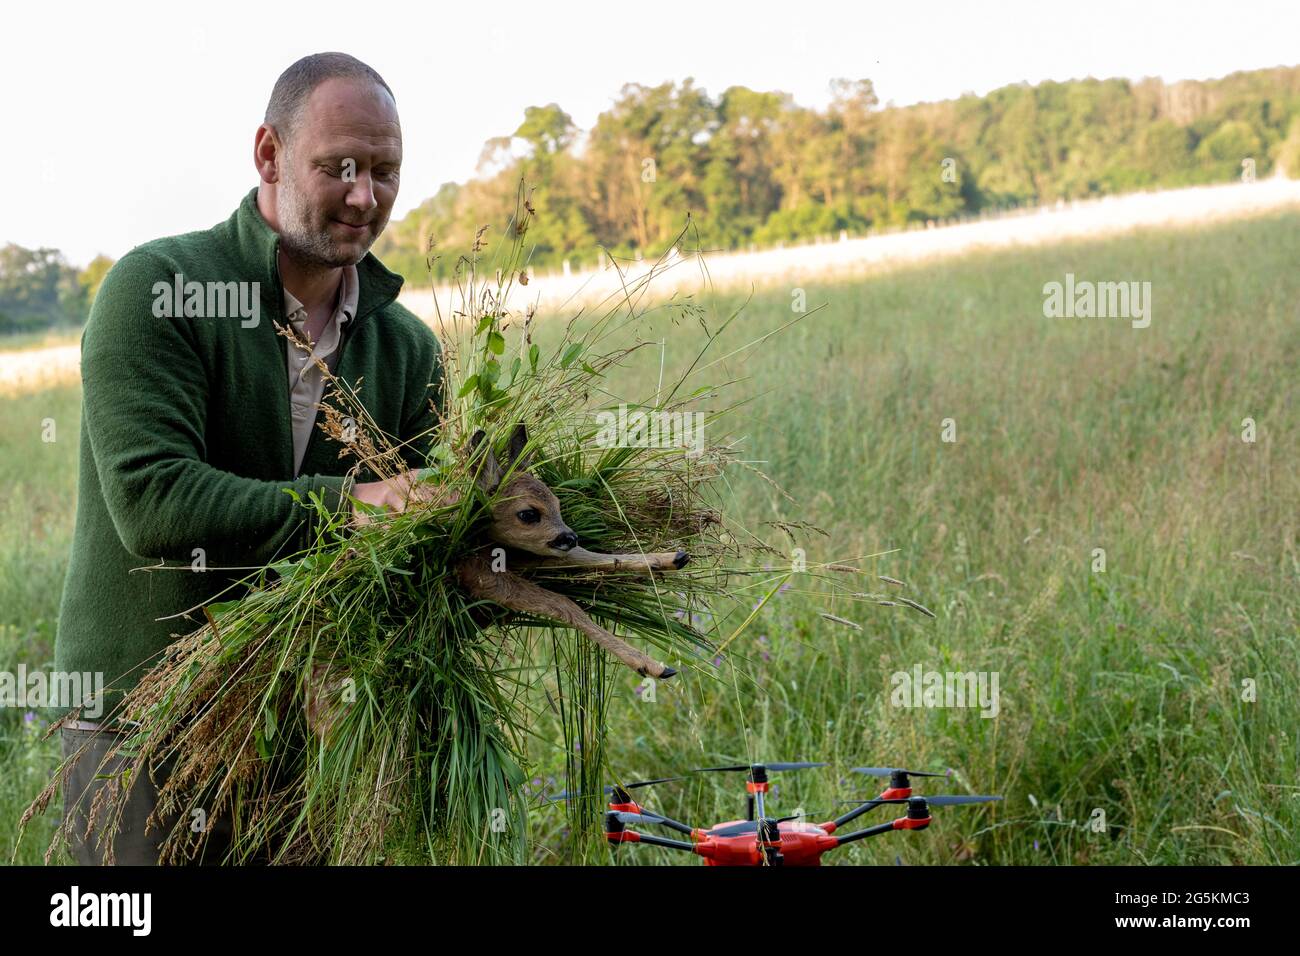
<point>762,841</point>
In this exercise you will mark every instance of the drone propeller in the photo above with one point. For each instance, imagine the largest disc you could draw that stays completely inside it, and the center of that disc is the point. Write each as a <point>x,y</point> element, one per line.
<point>944,800</point>
<point>624,817</point>
<point>890,771</point>
<point>609,790</point>
<point>766,766</point>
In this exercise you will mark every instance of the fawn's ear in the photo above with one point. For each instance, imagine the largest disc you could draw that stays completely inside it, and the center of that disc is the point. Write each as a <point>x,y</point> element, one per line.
<point>489,474</point>
<point>515,450</point>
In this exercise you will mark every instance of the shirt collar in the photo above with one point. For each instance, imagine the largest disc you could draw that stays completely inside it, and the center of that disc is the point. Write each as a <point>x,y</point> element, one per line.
<point>346,307</point>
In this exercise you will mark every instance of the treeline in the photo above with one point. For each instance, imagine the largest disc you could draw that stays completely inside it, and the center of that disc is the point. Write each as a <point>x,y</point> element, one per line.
<point>40,290</point>
<point>755,168</point>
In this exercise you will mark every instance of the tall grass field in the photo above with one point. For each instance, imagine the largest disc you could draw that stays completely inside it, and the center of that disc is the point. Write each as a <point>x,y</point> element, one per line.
<point>1102,518</point>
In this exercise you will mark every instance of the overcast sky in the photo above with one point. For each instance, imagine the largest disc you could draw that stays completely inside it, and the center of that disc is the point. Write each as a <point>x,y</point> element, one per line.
<point>136,120</point>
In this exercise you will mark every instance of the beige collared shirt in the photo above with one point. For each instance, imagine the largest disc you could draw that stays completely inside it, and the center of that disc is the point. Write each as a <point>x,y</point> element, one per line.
<point>306,383</point>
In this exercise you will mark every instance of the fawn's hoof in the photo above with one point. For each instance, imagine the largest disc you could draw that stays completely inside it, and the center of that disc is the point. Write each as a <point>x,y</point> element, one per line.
<point>679,561</point>
<point>668,672</point>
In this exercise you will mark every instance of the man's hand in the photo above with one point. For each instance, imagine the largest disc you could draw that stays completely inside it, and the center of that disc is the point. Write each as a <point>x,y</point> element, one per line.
<point>392,495</point>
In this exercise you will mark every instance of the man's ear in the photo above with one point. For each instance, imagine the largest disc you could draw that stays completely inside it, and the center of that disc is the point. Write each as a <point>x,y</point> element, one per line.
<point>488,477</point>
<point>515,450</point>
<point>268,153</point>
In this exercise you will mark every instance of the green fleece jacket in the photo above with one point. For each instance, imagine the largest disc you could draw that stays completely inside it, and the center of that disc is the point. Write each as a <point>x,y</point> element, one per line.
<point>186,436</point>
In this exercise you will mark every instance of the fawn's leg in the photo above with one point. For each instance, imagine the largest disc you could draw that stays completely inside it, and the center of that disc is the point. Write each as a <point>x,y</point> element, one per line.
<point>584,560</point>
<point>511,591</point>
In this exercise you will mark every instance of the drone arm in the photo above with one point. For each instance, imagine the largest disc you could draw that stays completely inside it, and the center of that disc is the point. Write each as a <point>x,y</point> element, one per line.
<point>853,815</point>
<point>878,829</point>
<point>631,836</point>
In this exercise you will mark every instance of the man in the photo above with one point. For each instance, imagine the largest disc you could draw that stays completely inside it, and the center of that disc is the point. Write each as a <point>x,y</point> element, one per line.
<point>197,416</point>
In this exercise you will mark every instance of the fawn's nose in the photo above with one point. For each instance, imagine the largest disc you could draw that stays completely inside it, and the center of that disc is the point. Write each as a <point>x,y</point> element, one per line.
<point>564,542</point>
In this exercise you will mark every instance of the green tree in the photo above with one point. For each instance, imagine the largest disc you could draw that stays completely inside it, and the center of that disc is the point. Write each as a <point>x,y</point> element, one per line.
<point>38,289</point>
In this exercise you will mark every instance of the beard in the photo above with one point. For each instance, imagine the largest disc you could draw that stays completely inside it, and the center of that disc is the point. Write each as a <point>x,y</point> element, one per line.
<point>305,230</point>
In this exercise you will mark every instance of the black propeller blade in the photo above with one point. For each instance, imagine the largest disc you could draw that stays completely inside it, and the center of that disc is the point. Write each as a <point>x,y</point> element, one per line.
<point>953,801</point>
<point>652,818</point>
<point>766,766</point>
<point>890,771</point>
<point>624,817</point>
<point>565,795</point>
<point>944,800</point>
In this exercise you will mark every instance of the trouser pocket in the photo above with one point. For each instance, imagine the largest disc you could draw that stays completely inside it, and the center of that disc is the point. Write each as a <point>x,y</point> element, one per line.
<point>87,782</point>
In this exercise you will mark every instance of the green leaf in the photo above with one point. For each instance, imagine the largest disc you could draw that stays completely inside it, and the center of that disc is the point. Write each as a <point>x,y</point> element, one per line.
<point>534,353</point>
<point>514,368</point>
<point>268,723</point>
<point>484,323</point>
<point>496,342</point>
<point>471,383</point>
<point>571,353</point>
<point>285,569</point>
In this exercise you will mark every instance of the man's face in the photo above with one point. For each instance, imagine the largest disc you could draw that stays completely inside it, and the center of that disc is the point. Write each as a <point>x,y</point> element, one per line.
<point>339,174</point>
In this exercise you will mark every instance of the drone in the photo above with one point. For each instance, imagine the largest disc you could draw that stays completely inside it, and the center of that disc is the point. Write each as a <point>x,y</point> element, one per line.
<point>760,840</point>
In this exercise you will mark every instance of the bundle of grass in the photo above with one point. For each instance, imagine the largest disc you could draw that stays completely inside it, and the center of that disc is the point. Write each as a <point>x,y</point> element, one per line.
<point>366,700</point>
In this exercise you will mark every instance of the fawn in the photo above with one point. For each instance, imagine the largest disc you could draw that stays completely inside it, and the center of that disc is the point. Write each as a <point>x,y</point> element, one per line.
<point>525,516</point>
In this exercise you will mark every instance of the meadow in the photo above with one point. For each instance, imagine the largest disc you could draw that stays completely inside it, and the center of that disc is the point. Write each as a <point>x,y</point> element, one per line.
<point>1146,711</point>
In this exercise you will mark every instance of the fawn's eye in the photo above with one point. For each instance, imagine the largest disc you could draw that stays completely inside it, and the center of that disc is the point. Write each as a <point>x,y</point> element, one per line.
<point>529,516</point>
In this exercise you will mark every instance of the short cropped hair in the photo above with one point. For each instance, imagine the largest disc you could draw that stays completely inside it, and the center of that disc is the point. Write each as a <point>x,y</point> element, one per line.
<point>295,86</point>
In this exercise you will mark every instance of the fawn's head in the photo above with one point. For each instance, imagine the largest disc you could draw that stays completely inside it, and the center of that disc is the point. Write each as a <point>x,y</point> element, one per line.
<point>525,513</point>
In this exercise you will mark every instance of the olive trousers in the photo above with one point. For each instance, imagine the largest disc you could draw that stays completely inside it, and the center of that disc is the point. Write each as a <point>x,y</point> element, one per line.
<point>131,845</point>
